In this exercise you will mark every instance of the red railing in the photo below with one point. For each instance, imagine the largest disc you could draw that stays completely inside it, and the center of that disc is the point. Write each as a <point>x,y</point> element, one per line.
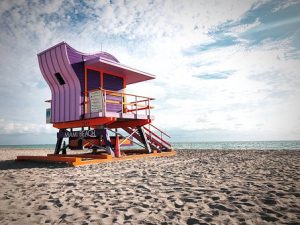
<point>128,103</point>
<point>160,136</point>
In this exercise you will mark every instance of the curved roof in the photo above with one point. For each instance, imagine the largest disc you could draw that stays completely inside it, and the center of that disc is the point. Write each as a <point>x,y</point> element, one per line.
<point>105,61</point>
<point>86,56</point>
<point>76,55</point>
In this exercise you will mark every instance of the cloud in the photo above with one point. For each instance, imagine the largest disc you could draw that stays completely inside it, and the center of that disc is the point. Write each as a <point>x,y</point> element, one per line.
<point>222,67</point>
<point>11,127</point>
<point>215,75</point>
<point>285,4</point>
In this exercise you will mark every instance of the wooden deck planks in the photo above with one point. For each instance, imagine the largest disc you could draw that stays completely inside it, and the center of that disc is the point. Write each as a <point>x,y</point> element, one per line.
<point>87,159</point>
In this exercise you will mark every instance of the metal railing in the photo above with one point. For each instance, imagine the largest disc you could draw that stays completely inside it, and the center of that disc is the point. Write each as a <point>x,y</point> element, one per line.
<point>158,134</point>
<point>101,100</point>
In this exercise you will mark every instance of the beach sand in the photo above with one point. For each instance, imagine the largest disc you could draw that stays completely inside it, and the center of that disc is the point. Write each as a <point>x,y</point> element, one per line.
<point>194,187</point>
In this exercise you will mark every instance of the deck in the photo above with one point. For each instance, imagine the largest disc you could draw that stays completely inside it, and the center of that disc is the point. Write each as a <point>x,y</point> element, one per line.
<point>106,103</point>
<point>113,109</point>
<point>125,116</point>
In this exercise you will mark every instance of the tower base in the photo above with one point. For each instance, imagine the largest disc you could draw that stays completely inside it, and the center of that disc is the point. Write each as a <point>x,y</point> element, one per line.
<point>89,158</point>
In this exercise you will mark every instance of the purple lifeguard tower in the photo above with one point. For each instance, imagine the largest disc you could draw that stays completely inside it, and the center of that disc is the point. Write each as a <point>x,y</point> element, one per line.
<point>89,103</point>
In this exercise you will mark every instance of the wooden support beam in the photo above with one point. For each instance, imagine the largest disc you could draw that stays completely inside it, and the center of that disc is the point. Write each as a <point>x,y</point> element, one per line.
<point>108,144</point>
<point>58,143</point>
<point>144,139</point>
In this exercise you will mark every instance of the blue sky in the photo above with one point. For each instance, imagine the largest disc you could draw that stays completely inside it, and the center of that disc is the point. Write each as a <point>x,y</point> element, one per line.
<point>226,70</point>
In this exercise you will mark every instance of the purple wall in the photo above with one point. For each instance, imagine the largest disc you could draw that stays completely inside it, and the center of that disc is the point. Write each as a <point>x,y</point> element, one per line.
<point>113,107</point>
<point>67,99</point>
<point>79,71</point>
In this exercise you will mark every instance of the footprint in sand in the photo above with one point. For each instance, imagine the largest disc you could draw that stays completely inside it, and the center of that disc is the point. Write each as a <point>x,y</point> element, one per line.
<point>43,207</point>
<point>215,198</point>
<point>135,210</point>
<point>268,217</point>
<point>220,207</point>
<point>171,214</point>
<point>231,199</point>
<point>191,221</point>
<point>269,201</point>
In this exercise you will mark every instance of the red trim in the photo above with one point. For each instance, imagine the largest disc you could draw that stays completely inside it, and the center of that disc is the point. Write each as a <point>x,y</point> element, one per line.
<point>132,123</point>
<point>105,71</point>
<point>137,109</point>
<point>85,123</point>
<point>101,71</point>
<point>159,142</point>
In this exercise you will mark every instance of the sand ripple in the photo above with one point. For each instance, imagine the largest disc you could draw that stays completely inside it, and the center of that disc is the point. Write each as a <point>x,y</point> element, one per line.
<point>195,187</point>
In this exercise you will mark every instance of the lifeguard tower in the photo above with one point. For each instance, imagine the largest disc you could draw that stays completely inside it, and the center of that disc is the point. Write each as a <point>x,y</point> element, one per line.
<point>92,110</point>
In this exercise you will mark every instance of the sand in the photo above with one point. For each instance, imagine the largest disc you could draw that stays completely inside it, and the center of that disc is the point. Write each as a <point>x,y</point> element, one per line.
<point>194,187</point>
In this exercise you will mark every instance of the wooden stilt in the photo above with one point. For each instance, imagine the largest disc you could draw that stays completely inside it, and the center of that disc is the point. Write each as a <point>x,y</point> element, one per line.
<point>58,143</point>
<point>108,144</point>
<point>64,148</point>
<point>117,147</point>
<point>144,139</point>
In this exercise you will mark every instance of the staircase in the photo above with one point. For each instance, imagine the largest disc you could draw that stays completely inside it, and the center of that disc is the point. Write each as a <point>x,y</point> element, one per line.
<point>155,137</point>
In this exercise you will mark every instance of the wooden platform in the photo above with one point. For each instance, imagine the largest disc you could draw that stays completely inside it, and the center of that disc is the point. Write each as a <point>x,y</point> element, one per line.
<point>86,159</point>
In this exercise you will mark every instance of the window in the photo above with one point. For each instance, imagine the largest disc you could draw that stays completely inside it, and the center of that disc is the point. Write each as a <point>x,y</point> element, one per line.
<point>112,83</point>
<point>59,79</point>
<point>93,80</point>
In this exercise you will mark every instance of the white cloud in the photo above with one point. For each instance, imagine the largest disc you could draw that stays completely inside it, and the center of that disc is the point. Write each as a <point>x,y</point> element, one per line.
<point>152,36</point>
<point>236,31</point>
<point>249,97</point>
<point>285,4</point>
<point>11,127</point>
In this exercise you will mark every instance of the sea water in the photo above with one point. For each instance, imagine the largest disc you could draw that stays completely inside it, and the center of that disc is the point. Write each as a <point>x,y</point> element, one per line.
<point>243,145</point>
<point>226,145</point>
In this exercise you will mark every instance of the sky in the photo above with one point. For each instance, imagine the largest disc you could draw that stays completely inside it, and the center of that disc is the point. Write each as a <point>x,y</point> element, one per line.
<point>225,70</point>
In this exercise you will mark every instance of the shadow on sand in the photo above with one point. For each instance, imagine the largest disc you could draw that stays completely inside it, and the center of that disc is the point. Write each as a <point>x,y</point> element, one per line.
<point>12,164</point>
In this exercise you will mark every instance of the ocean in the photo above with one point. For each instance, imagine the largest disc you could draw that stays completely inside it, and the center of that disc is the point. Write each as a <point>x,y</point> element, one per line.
<point>231,145</point>
<point>243,145</point>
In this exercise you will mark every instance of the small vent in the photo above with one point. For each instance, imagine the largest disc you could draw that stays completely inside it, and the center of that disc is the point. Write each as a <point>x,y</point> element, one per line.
<point>60,79</point>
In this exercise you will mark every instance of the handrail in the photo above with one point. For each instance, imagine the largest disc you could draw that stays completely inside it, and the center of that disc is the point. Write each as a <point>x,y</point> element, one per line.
<point>121,98</point>
<point>137,109</point>
<point>160,138</point>
<point>124,103</point>
<point>155,135</point>
<point>119,94</point>
<point>137,101</point>
<point>159,130</point>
